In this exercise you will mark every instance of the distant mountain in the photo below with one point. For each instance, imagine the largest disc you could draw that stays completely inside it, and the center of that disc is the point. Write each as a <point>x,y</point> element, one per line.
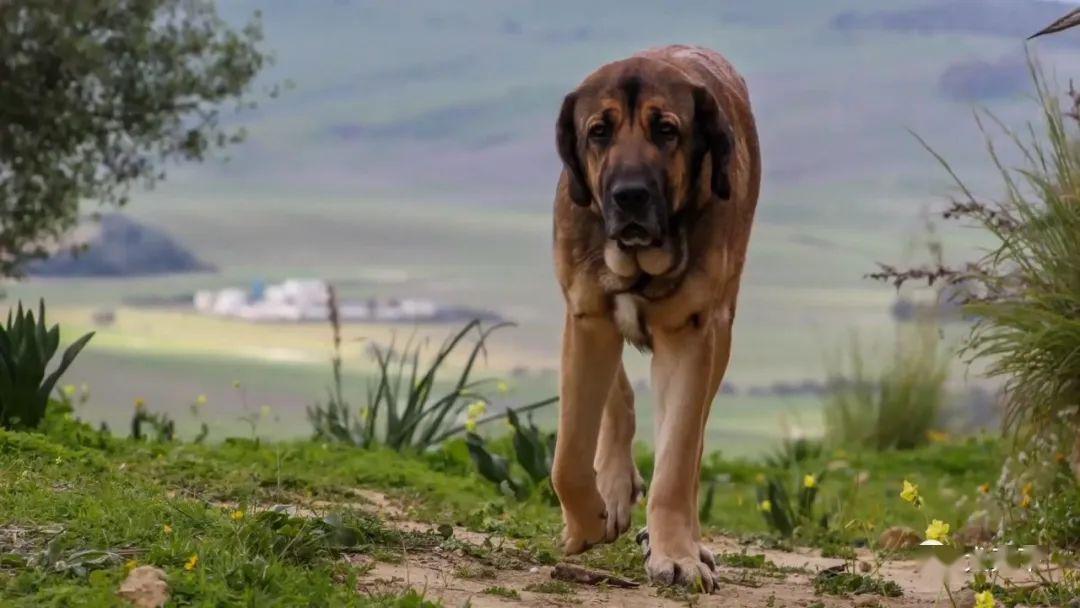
<point>1004,18</point>
<point>118,246</point>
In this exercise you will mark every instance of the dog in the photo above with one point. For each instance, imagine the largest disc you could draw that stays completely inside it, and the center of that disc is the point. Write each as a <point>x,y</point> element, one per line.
<point>653,209</point>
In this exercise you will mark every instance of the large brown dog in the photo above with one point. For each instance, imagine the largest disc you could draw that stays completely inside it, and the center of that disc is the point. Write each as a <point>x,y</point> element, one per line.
<point>652,220</point>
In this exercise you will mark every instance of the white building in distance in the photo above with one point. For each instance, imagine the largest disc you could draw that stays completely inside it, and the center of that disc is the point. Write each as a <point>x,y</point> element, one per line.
<point>296,300</point>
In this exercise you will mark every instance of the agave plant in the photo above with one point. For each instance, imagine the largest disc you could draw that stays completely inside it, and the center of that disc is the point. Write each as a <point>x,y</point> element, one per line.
<point>407,408</point>
<point>26,347</point>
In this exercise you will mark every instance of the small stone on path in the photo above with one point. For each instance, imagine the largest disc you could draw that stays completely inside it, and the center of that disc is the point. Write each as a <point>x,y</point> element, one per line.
<point>145,587</point>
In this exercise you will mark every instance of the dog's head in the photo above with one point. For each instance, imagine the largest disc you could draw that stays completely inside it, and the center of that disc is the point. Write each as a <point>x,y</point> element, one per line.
<point>634,138</point>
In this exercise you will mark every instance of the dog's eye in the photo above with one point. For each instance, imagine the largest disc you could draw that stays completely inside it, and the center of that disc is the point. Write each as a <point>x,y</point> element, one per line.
<point>599,131</point>
<point>667,130</point>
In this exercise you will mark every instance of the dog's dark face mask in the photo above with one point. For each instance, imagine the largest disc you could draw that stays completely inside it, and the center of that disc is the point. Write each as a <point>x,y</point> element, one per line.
<point>633,139</point>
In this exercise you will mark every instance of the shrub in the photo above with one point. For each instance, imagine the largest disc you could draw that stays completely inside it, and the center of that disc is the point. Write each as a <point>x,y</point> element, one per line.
<point>786,516</point>
<point>533,451</point>
<point>894,408</point>
<point>793,452</point>
<point>161,425</point>
<point>1025,291</point>
<point>26,347</point>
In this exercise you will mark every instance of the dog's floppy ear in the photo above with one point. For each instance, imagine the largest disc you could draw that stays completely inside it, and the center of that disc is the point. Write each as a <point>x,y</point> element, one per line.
<point>566,138</point>
<point>714,136</point>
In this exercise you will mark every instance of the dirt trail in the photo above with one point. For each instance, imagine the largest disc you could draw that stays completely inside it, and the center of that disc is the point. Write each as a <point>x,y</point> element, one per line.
<point>435,574</point>
<point>451,577</point>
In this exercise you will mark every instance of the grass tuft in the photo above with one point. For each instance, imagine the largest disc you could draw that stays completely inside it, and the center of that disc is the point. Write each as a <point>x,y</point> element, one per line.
<point>849,583</point>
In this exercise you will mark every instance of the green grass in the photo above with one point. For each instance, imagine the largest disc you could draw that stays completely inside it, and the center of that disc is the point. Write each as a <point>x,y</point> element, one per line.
<point>66,500</point>
<point>503,592</point>
<point>849,583</point>
<point>71,490</point>
<point>551,587</point>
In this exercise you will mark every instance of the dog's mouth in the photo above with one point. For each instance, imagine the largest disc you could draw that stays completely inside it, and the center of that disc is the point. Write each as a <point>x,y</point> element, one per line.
<point>636,236</point>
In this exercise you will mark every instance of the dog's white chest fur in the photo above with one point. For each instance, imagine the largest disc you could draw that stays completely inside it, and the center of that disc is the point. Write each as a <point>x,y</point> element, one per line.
<point>630,319</point>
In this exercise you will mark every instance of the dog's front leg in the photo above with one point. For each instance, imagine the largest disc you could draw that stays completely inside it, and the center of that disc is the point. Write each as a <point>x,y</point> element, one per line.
<point>592,350</point>
<point>683,374</point>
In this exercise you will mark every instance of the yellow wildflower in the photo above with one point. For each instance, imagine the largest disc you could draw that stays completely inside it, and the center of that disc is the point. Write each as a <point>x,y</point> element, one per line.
<point>200,400</point>
<point>985,599</point>
<point>237,515</point>
<point>1029,487</point>
<point>470,425</point>
<point>1025,501</point>
<point>140,403</point>
<point>70,390</point>
<point>365,413</point>
<point>984,488</point>
<point>809,481</point>
<point>937,436</point>
<point>938,530</point>
<point>191,562</point>
<point>130,565</point>
<point>910,493</point>
<point>236,384</point>
<point>166,529</point>
<point>476,409</point>
<point>766,506</point>
<point>503,387</point>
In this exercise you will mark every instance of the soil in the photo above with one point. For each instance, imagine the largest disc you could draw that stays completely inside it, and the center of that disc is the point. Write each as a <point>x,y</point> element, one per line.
<point>457,579</point>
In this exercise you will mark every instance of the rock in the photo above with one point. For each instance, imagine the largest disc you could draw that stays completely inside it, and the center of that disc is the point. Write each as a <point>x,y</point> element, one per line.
<point>976,533</point>
<point>865,567</point>
<point>964,598</point>
<point>145,587</point>
<point>899,538</point>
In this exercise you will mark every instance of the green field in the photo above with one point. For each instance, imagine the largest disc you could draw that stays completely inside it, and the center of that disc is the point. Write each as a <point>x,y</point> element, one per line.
<point>794,316</point>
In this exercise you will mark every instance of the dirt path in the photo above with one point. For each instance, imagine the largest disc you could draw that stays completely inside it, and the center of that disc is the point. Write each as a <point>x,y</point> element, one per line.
<point>457,579</point>
<point>438,576</point>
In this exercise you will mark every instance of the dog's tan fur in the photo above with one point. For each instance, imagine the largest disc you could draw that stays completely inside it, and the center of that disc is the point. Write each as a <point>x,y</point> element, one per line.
<point>684,316</point>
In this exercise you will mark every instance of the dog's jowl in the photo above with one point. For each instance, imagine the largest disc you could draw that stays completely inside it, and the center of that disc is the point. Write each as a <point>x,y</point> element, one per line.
<point>661,172</point>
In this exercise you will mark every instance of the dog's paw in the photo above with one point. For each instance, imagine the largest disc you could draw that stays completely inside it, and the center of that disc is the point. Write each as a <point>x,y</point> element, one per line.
<point>621,486</point>
<point>695,572</point>
<point>585,524</point>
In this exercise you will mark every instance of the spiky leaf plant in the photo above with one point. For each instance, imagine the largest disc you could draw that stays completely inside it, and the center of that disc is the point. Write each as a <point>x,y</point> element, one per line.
<point>26,347</point>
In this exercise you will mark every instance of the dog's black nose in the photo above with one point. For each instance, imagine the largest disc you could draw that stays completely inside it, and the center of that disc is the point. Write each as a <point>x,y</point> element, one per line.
<point>630,197</point>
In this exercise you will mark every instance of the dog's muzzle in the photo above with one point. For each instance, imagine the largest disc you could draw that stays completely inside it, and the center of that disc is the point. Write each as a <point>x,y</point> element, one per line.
<point>633,215</point>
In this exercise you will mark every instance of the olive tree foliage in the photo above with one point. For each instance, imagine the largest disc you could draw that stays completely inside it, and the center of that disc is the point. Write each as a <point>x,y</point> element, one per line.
<point>98,96</point>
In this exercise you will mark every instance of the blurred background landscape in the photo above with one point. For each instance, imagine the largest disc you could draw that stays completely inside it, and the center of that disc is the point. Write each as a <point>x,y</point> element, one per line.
<point>412,160</point>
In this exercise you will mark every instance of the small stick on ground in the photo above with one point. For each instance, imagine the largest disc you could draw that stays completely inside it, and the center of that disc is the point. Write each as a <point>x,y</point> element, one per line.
<point>577,574</point>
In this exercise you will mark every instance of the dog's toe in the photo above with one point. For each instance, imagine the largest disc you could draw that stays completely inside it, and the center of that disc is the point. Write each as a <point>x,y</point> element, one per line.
<point>706,556</point>
<point>689,572</point>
